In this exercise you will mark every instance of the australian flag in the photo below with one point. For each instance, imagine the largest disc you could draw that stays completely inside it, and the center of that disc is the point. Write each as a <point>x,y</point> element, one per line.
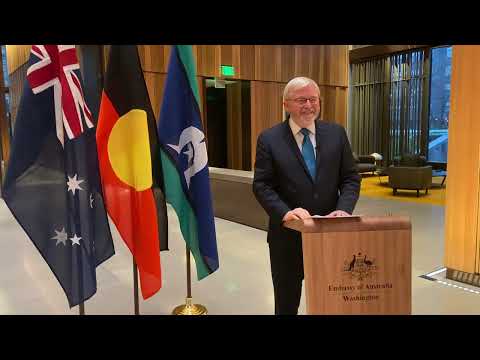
<point>52,185</point>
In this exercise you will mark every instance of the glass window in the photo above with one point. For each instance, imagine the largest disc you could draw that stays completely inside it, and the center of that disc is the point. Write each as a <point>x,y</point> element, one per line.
<point>4,66</point>
<point>439,104</point>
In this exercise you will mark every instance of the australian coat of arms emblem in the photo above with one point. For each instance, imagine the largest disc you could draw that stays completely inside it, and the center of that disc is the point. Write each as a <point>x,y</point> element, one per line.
<point>359,266</point>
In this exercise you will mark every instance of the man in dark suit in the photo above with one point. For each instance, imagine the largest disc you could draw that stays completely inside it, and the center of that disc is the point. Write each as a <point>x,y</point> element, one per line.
<point>304,167</point>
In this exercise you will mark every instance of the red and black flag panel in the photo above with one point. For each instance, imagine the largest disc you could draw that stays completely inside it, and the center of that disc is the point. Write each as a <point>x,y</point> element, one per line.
<point>130,166</point>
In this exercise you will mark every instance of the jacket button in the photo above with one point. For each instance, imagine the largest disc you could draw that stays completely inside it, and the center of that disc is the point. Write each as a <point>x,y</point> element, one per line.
<point>315,196</point>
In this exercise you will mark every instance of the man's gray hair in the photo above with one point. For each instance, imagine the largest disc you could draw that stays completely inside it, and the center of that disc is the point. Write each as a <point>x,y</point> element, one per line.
<point>297,83</point>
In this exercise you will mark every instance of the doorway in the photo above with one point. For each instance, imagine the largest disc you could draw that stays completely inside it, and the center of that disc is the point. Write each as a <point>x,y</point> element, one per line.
<point>227,116</point>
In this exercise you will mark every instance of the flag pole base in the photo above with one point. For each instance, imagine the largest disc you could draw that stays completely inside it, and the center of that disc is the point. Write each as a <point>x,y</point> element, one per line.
<point>190,309</point>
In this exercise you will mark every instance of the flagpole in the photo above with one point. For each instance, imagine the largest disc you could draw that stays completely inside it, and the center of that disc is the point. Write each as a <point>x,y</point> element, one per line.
<point>81,308</point>
<point>135,288</point>
<point>189,308</point>
<point>189,274</point>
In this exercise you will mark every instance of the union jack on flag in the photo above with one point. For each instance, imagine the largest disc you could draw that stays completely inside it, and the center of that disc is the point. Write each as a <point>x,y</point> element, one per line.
<point>55,67</point>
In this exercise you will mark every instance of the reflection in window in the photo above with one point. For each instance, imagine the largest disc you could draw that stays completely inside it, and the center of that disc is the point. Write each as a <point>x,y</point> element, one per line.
<point>4,66</point>
<point>439,104</point>
<point>405,103</point>
<point>6,85</point>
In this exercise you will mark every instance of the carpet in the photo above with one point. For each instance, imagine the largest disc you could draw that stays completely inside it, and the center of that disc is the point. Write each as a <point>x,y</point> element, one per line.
<point>377,187</point>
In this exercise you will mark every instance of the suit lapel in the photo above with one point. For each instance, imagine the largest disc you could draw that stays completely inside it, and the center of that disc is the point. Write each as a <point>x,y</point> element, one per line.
<point>321,137</point>
<point>292,145</point>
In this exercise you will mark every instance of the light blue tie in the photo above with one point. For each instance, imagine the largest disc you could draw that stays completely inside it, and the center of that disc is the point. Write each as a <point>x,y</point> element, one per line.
<point>308,152</point>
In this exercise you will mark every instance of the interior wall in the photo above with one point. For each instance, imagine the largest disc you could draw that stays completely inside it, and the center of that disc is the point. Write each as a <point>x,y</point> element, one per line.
<point>269,67</point>
<point>462,220</point>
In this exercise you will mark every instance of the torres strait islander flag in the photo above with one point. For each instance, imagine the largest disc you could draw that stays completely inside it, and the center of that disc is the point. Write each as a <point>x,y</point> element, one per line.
<point>184,159</point>
<point>130,165</point>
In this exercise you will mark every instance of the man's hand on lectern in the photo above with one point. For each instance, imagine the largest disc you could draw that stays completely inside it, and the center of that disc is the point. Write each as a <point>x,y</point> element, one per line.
<point>338,213</point>
<point>296,214</point>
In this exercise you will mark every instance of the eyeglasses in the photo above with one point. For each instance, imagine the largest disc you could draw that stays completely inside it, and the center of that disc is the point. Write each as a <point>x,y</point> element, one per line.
<point>303,101</point>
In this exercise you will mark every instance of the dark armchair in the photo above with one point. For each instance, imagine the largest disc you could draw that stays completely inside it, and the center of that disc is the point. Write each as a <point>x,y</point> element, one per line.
<point>365,163</point>
<point>410,172</point>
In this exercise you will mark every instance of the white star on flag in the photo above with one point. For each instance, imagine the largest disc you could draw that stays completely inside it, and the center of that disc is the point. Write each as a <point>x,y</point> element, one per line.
<point>61,237</point>
<point>74,184</point>
<point>75,240</point>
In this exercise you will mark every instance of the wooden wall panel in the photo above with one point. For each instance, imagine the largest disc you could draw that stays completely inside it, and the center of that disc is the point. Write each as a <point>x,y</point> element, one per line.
<point>246,64</point>
<point>287,63</point>
<point>152,58</point>
<point>303,59</point>
<point>203,105</point>
<point>334,104</point>
<point>208,60</point>
<point>268,63</point>
<point>242,57</point>
<point>226,54</point>
<point>343,66</point>
<point>155,84</point>
<point>17,81</point>
<point>17,55</point>
<point>336,65</point>
<point>310,62</point>
<point>314,63</point>
<point>341,106</point>
<point>267,108</point>
<point>326,64</point>
<point>462,195</point>
<point>166,55</point>
<point>322,64</point>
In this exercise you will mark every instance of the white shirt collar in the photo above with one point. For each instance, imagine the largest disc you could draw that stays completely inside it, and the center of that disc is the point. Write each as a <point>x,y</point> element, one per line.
<point>295,128</point>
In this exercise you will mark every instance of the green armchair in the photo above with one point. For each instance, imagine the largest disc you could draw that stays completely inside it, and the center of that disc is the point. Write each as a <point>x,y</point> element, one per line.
<point>410,172</point>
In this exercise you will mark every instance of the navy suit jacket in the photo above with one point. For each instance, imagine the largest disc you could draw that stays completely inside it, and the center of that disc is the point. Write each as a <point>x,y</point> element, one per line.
<point>282,181</point>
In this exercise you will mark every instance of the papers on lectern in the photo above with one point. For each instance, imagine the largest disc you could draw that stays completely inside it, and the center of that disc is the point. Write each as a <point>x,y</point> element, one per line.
<point>335,217</point>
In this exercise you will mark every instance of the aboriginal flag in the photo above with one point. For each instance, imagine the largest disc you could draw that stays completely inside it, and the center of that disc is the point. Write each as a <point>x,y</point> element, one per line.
<point>130,165</point>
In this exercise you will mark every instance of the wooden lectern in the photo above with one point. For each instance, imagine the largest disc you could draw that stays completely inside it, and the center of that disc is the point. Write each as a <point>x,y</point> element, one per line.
<point>357,265</point>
